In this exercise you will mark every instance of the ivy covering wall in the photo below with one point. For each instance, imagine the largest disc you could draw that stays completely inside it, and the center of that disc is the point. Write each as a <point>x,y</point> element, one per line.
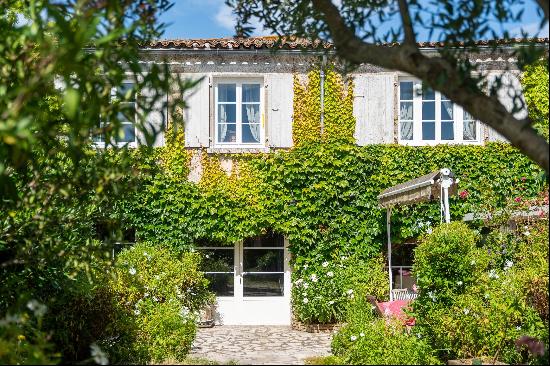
<point>321,194</point>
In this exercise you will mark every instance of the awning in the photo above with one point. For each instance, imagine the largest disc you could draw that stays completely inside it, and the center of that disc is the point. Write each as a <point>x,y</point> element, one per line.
<point>421,189</point>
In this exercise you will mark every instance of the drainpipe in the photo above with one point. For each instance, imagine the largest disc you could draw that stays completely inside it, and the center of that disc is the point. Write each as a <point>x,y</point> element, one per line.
<point>323,65</point>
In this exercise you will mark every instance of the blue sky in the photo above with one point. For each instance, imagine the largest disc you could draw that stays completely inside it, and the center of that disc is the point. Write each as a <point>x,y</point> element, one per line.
<point>213,19</point>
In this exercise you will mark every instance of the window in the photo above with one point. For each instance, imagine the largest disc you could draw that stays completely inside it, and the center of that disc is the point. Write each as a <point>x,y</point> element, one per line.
<point>429,117</point>
<point>238,115</point>
<point>126,117</point>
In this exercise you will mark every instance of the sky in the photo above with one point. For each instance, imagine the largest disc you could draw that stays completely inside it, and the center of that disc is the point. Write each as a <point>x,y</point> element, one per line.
<point>192,19</point>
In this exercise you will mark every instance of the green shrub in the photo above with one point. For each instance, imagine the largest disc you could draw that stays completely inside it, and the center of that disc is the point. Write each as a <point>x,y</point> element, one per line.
<point>159,294</point>
<point>499,297</point>
<point>368,340</point>
<point>322,291</point>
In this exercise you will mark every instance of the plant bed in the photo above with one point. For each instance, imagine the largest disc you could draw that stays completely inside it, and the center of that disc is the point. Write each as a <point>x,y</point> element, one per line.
<point>315,327</point>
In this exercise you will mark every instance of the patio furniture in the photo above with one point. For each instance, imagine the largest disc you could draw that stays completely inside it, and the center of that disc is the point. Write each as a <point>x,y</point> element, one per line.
<point>403,294</point>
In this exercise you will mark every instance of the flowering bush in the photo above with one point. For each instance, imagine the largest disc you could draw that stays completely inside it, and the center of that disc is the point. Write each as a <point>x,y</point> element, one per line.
<point>159,293</point>
<point>367,340</point>
<point>481,298</point>
<point>322,291</point>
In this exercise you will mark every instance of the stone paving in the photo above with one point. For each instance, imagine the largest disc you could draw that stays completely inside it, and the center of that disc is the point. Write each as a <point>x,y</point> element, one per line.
<point>259,345</point>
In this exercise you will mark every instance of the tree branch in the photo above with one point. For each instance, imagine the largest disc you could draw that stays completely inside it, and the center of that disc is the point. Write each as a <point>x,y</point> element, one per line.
<point>544,5</point>
<point>457,88</point>
<point>407,23</point>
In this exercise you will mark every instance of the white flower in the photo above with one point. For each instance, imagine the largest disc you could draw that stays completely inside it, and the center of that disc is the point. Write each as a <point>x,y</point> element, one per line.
<point>353,338</point>
<point>145,254</point>
<point>37,308</point>
<point>466,311</point>
<point>98,355</point>
<point>473,262</point>
<point>325,264</point>
<point>305,300</point>
<point>518,327</point>
<point>330,274</point>
<point>155,299</point>
<point>527,233</point>
<point>313,278</point>
<point>508,264</point>
<point>157,277</point>
<point>418,335</point>
<point>306,285</point>
<point>361,334</point>
<point>343,257</point>
<point>493,274</point>
<point>305,266</point>
<point>298,282</point>
<point>486,296</point>
<point>349,292</point>
<point>459,283</point>
<point>431,295</point>
<point>331,302</point>
<point>132,271</point>
<point>137,312</point>
<point>351,296</point>
<point>184,312</point>
<point>146,294</point>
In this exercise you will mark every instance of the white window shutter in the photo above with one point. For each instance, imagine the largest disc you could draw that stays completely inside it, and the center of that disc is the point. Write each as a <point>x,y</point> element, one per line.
<point>155,120</point>
<point>278,110</point>
<point>374,108</point>
<point>510,87</point>
<point>197,115</point>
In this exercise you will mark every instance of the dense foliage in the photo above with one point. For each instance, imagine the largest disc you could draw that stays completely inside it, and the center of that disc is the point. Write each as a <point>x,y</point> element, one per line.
<point>483,298</point>
<point>368,340</point>
<point>158,294</point>
<point>535,90</point>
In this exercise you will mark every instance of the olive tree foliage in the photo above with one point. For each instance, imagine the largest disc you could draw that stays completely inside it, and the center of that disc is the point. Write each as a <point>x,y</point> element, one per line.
<point>358,29</point>
<point>62,64</point>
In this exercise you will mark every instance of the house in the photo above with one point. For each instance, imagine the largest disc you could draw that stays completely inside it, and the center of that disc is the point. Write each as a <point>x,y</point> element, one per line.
<point>244,103</point>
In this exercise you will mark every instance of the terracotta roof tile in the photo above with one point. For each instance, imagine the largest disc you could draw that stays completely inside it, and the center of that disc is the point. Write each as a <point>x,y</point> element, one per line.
<point>268,42</point>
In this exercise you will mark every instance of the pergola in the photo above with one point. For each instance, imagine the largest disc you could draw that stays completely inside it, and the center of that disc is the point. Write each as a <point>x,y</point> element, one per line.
<point>436,185</point>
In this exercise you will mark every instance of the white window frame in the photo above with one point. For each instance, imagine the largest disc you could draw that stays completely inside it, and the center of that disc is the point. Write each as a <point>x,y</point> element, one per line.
<point>239,81</point>
<point>458,114</point>
<point>130,144</point>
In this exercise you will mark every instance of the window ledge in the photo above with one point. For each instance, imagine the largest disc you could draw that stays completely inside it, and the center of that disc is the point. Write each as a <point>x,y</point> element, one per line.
<point>237,150</point>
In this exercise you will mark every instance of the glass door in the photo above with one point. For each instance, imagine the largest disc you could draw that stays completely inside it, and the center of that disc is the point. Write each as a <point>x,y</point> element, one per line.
<point>262,266</point>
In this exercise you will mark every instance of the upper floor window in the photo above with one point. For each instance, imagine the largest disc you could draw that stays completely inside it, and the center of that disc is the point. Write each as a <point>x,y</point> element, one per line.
<point>126,134</point>
<point>428,117</point>
<point>238,113</point>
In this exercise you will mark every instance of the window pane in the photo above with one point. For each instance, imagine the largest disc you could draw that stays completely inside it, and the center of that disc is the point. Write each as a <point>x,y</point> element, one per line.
<point>217,260</point>
<point>128,133</point>
<point>406,130</point>
<point>227,93</point>
<point>222,284</point>
<point>428,111</point>
<point>227,113</point>
<point>406,111</point>
<point>251,93</point>
<point>263,260</point>
<point>428,130</point>
<point>447,131</point>
<point>428,94</point>
<point>406,90</point>
<point>251,113</point>
<point>446,110</point>
<point>260,284</point>
<point>251,133</point>
<point>270,239</point>
<point>469,131</point>
<point>467,116</point>
<point>125,88</point>
<point>227,132</point>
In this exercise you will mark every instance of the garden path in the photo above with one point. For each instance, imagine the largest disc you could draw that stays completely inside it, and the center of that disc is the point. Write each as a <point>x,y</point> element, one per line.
<point>259,345</point>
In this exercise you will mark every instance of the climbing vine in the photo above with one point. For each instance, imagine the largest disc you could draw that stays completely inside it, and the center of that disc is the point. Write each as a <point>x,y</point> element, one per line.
<point>535,90</point>
<point>322,193</point>
<point>339,122</point>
